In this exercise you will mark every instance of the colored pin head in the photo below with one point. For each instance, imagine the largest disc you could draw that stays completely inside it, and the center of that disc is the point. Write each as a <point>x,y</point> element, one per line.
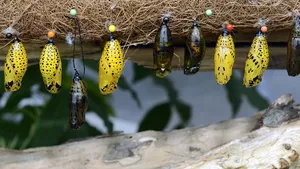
<point>229,27</point>
<point>51,34</point>
<point>112,28</point>
<point>208,12</point>
<point>264,29</point>
<point>73,12</point>
<point>8,35</point>
<point>166,20</point>
<point>9,32</point>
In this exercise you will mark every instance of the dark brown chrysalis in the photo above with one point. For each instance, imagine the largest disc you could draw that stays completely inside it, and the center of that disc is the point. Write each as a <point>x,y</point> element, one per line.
<point>78,103</point>
<point>163,50</point>
<point>293,50</point>
<point>194,50</point>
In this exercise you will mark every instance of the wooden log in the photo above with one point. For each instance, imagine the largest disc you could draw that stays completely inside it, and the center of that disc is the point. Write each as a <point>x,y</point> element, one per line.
<point>142,55</point>
<point>269,139</point>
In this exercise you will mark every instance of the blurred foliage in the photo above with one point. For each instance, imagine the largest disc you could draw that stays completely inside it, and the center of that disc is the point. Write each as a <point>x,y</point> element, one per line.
<point>158,117</point>
<point>235,93</point>
<point>47,124</point>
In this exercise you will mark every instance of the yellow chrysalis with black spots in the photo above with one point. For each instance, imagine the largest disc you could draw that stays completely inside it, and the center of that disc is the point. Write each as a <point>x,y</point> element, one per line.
<point>51,67</point>
<point>163,50</point>
<point>224,57</point>
<point>293,50</point>
<point>111,66</point>
<point>15,66</point>
<point>257,60</point>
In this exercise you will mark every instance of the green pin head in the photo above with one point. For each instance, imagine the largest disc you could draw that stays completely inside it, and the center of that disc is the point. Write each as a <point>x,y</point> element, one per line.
<point>73,12</point>
<point>208,12</point>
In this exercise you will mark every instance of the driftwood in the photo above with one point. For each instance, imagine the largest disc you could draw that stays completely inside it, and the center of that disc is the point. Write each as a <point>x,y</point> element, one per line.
<point>268,140</point>
<point>143,55</point>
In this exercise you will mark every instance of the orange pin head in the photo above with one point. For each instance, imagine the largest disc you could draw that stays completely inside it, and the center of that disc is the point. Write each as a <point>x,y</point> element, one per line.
<point>264,29</point>
<point>51,34</point>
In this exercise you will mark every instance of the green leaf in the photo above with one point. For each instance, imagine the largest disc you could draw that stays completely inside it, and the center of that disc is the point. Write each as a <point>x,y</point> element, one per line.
<point>140,73</point>
<point>53,120</point>
<point>184,111</point>
<point>256,99</point>
<point>92,64</point>
<point>156,118</point>
<point>57,106</point>
<point>168,86</point>
<point>99,103</point>
<point>48,132</point>
<point>234,94</point>
<point>123,84</point>
<point>24,91</point>
<point>102,111</point>
<point>20,131</point>
<point>48,125</point>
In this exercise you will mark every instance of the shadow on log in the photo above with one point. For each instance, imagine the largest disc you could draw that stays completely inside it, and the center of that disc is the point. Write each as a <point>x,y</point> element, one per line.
<point>269,139</point>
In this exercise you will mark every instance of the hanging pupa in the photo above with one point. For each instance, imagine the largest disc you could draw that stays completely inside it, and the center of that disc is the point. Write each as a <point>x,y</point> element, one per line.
<point>111,64</point>
<point>257,60</point>
<point>194,50</point>
<point>78,99</point>
<point>163,50</point>
<point>16,63</point>
<point>78,103</point>
<point>293,50</point>
<point>224,56</point>
<point>51,66</point>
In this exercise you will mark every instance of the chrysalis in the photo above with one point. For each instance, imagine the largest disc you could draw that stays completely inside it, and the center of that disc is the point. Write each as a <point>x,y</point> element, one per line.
<point>224,56</point>
<point>78,99</point>
<point>111,64</point>
<point>78,103</point>
<point>15,65</point>
<point>257,60</point>
<point>51,66</point>
<point>293,50</point>
<point>194,50</point>
<point>163,50</point>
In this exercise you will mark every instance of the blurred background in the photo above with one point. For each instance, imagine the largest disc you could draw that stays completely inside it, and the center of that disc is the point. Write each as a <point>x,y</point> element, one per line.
<point>32,117</point>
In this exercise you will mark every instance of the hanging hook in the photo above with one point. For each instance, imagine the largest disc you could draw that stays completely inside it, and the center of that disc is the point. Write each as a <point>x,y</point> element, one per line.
<point>77,24</point>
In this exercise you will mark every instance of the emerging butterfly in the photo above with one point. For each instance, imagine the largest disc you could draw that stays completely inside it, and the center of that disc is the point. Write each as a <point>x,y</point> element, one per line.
<point>15,65</point>
<point>257,60</point>
<point>78,103</point>
<point>293,50</point>
<point>163,50</point>
<point>111,64</point>
<point>51,66</point>
<point>224,56</point>
<point>194,50</point>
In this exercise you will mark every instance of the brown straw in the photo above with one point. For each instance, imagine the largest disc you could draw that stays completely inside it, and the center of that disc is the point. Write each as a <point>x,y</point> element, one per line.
<point>139,18</point>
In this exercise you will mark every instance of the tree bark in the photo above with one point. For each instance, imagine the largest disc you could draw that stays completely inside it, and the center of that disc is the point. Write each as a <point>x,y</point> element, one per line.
<point>269,139</point>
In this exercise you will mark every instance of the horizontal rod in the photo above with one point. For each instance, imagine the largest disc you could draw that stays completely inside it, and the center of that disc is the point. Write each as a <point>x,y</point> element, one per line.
<point>142,54</point>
